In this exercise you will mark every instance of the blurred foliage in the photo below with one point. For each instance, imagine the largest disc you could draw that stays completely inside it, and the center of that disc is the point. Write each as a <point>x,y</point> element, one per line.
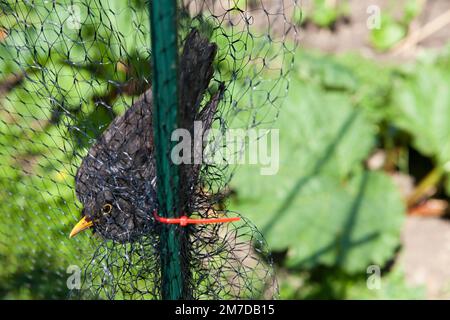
<point>326,283</point>
<point>329,209</point>
<point>324,13</point>
<point>421,107</point>
<point>323,208</point>
<point>325,214</point>
<point>389,34</point>
<point>393,26</point>
<point>393,29</point>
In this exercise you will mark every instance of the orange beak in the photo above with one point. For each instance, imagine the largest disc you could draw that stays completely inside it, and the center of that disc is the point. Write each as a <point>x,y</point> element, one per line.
<point>83,224</point>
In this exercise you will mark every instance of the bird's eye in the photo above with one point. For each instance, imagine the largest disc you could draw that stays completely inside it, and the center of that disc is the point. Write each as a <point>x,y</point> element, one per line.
<point>106,209</point>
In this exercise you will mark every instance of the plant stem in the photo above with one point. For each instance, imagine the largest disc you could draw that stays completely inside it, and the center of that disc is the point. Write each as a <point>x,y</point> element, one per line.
<point>426,185</point>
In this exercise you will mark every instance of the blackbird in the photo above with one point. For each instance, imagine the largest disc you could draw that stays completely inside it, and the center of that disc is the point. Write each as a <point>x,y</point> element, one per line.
<point>116,181</point>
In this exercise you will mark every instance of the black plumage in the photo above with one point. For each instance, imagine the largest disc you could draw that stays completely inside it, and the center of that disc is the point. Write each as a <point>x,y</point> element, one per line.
<point>116,181</point>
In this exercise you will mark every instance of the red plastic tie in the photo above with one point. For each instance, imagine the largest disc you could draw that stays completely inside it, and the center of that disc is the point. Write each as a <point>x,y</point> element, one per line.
<point>184,220</point>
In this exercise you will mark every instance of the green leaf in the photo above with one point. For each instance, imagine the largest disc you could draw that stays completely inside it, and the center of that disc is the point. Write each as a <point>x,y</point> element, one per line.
<point>412,9</point>
<point>324,14</point>
<point>319,132</point>
<point>329,223</point>
<point>421,107</point>
<point>327,72</point>
<point>332,283</point>
<point>390,33</point>
<point>324,17</point>
<point>352,225</point>
<point>325,209</point>
<point>371,93</point>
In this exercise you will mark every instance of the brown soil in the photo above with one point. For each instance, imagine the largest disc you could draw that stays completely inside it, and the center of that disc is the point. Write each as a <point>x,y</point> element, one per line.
<point>425,256</point>
<point>353,35</point>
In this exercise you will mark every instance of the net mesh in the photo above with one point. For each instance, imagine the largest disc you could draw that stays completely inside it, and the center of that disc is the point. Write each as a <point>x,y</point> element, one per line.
<point>76,140</point>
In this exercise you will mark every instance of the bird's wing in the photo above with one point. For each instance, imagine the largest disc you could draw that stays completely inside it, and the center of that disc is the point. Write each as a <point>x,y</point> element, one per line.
<point>126,146</point>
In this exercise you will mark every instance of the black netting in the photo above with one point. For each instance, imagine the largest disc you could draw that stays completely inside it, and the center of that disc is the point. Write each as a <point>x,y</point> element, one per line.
<point>227,261</point>
<point>76,140</point>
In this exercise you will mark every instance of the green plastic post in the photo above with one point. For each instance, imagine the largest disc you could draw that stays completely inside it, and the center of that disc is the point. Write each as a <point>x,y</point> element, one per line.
<point>163,20</point>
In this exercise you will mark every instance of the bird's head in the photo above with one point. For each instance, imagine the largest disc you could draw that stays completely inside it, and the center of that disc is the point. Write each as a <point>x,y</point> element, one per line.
<point>109,215</point>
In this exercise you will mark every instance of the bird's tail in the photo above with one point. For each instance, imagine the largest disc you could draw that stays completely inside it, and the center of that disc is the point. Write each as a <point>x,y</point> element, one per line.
<point>196,72</point>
